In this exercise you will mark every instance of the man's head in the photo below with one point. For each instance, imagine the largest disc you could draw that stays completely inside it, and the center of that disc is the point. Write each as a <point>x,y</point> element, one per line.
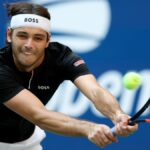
<point>28,14</point>
<point>29,34</point>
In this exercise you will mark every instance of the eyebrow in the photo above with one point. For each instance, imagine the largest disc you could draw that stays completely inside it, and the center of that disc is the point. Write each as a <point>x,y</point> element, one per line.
<point>25,33</point>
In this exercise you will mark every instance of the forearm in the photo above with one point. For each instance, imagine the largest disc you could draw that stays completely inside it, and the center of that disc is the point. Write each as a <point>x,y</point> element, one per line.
<point>101,98</point>
<point>62,124</point>
<point>106,103</point>
<point>30,107</point>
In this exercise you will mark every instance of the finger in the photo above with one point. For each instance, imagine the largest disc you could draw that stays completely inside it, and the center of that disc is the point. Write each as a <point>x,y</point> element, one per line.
<point>96,139</point>
<point>100,141</point>
<point>105,140</point>
<point>125,130</point>
<point>131,129</point>
<point>111,137</point>
<point>121,130</point>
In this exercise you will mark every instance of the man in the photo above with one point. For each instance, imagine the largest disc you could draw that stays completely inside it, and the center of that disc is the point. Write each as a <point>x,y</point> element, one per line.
<point>30,60</point>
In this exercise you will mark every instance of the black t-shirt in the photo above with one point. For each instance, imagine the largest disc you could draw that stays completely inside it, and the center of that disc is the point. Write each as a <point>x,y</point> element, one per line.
<point>59,64</point>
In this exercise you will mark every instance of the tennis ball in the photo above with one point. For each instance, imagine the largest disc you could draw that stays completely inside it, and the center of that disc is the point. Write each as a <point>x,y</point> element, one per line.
<point>132,80</point>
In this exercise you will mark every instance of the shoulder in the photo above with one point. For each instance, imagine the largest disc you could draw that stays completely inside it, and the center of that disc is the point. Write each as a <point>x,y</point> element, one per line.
<point>5,49</point>
<point>58,48</point>
<point>6,61</point>
<point>2,52</point>
<point>5,53</point>
<point>60,52</point>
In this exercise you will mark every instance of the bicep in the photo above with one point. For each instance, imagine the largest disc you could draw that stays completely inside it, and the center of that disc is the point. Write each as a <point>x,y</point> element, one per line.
<point>25,104</point>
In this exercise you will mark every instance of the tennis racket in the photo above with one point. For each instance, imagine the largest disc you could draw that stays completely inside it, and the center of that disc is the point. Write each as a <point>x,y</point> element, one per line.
<point>134,119</point>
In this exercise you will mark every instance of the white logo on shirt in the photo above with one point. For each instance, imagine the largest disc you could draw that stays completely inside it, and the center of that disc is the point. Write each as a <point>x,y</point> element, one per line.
<point>43,87</point>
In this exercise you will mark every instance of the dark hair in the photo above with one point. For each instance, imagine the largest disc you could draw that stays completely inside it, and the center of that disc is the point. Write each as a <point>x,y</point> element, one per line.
<point>27,8</point>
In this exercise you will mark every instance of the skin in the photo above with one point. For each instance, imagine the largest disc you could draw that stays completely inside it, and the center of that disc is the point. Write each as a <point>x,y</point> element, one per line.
<point>28,53</point>
<point>28,46</point>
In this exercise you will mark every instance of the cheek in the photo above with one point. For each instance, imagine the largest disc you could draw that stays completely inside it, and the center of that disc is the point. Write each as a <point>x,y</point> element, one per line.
<point>41,47</point>
<point>47,44</point>
<point>16,48</point>
<point>17,43</point>
<point>40,51</point>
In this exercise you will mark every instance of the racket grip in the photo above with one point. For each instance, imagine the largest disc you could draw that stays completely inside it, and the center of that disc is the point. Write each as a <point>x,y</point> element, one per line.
<point>113,131</point>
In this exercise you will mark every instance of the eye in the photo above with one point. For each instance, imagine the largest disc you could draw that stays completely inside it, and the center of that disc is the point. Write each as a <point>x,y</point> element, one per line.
<point>22,36</point>
<point>38,38</point>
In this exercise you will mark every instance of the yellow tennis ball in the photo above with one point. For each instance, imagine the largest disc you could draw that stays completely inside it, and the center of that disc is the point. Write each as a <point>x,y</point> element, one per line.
<point>132,80</point>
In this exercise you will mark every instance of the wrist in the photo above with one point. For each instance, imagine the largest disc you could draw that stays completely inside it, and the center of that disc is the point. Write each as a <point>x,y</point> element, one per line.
<point>86,128</point>
<point>117,117</point>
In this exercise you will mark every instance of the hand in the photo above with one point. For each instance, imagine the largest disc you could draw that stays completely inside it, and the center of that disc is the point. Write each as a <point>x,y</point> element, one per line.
<point>101,135</point>
<point>122,128</point>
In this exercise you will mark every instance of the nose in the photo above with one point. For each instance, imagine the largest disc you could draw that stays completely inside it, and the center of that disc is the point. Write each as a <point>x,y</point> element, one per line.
<point>29,43</point>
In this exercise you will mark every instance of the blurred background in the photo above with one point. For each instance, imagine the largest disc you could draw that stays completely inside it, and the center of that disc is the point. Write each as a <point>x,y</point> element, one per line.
<point>113,37</point>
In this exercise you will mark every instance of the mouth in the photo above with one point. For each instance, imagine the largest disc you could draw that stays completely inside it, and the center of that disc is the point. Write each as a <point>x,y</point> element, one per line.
<point>27,53</point>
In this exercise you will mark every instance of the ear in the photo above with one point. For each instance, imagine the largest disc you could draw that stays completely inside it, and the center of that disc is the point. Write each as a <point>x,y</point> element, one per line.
<point>9,35</point>
<point>48,39</point>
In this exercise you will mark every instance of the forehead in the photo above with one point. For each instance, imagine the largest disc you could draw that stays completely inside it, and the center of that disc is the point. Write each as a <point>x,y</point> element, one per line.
<point>30,31</point>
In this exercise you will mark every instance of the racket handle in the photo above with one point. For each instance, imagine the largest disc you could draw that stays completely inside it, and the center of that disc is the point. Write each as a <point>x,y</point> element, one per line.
<point>113,131</point>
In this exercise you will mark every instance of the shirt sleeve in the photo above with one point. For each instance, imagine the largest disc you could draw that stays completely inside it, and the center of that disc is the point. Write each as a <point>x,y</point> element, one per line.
<point>74,66</point>
<point>9,86</point>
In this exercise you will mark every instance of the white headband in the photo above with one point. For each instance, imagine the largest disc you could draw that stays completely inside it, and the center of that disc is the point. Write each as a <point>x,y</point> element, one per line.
<point>30,20</point>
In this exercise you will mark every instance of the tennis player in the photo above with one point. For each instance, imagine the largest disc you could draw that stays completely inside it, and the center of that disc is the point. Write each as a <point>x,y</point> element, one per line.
<point>31,69</point>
